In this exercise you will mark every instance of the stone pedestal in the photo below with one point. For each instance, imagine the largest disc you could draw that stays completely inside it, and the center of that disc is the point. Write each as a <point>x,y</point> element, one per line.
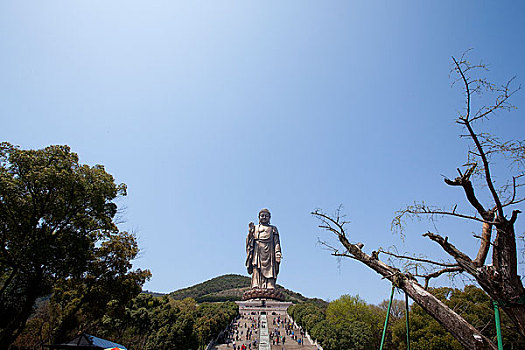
<point>263,307</point>
<point>258,293</point>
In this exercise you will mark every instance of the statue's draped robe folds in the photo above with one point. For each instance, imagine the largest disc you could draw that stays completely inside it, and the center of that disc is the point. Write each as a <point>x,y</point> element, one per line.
<point>261,262</point>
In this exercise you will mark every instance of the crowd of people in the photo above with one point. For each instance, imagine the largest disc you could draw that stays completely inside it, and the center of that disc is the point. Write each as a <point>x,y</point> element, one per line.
<point>242,333</point>
<point>284,327</point>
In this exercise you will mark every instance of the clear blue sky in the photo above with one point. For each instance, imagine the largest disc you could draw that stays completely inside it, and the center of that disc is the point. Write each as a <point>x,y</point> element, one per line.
<point>212,110</point>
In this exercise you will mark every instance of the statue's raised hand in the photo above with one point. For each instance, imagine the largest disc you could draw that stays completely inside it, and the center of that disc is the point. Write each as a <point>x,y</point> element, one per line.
<point>251,229</point>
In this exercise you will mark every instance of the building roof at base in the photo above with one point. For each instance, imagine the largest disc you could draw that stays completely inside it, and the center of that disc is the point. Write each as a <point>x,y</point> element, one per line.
<point>87,342</point>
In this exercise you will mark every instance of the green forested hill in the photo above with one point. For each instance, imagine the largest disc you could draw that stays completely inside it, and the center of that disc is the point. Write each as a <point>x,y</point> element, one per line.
<point>210,288</point>
<point>227,288</point>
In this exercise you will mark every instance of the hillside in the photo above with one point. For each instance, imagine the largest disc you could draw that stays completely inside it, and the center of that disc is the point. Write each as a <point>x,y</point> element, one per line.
<point>229,288</point>
<point>155,294</point>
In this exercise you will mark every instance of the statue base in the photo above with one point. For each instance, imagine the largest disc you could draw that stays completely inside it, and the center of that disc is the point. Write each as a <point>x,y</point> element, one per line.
<point>259,293</point>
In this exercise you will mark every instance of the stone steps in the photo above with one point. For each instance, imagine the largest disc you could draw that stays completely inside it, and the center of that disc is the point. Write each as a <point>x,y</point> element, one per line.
<point>262,335</point>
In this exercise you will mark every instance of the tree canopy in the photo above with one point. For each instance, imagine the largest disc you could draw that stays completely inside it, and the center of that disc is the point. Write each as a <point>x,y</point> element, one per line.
<point>58,236</point>
<point>145,322</point>
<point>351,323</point>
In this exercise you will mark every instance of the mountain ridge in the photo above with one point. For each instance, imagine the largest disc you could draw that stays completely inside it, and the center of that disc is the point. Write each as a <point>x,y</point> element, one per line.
<point>230,287</point>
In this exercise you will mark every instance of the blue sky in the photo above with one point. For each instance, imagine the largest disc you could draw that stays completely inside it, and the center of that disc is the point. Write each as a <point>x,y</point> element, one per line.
<point>212,110</point>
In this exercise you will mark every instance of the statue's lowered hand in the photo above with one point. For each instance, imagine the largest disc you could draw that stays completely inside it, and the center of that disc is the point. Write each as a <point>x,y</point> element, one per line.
<point>278,257</point>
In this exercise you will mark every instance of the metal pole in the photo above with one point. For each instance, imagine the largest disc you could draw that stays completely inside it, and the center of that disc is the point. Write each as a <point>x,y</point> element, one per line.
<point>498,325</point>
<point>408,328</point>
<point>386,319</point>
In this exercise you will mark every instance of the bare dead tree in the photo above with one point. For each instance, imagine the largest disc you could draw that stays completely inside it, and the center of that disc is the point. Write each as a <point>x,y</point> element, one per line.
<point>500,280</point>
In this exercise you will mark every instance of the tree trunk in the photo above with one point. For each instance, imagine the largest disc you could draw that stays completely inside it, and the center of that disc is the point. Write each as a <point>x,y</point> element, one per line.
<point>505,285</point>
<point>464,332</point>
<point>19,315</point>
<point>499,280</point>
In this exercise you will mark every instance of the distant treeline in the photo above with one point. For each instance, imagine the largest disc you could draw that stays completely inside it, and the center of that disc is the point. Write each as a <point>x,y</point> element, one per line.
<point>147,322</point>
<point>155,294</point>
<point>350,323</point>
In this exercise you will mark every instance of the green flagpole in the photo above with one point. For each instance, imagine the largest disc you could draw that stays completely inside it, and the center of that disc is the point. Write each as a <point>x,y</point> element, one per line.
<point>386,319</point>
<point>498,325</point>
<point>408,328</point>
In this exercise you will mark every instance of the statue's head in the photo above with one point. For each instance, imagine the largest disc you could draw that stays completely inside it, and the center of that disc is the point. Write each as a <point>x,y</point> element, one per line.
<point>264,216</point>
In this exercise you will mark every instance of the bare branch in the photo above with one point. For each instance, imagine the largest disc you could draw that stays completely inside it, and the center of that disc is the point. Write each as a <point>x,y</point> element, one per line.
<point>343,255</point>
<point>438,212</point>
<point>464,181</point>
<point>481,237</point>
<point>328,222</point>
<point>513,200</point>
<point>417,259</point>
<point>501,103</point>
<point>488,178</point>
<point>419,208</point>
<point>453,322</point>
<point>328,246</point>
<point>329,228</point>
<point>438,273</point>
<point>462,259</point>
<point>514,216</point>
<point>466,84</point>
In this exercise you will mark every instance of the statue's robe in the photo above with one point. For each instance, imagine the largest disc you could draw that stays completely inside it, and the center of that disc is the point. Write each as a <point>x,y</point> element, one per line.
<point>261,261</point>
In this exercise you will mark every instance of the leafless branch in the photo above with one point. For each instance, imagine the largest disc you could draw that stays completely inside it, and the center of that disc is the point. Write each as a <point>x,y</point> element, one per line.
<point>438,273</point>
<point>409,284</point>
<point>417,259</point>
<point>329,222</point>
<point>438,212</point>
<point>513,199</point>
<point>462,67</point>
<point>501,100</point>
<point>346,255</point>
<point>463,180</point>
<point>328,246</point>
<point>461,258</point>
<point>421,208</point>
<point>514,216</point>
<point>481,237</point>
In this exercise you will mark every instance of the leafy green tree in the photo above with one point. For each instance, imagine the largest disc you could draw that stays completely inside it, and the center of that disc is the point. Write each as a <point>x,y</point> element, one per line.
<point>397,309</point>
<point>212,319</point>
<point>355,321</point>
<point>146,322</point>
<point>105,288</point>
<point>305,314</point>
<point>325,334</point>
<point>56,229</point>
<point>136,325</point>
<point>310,320</point>
<point>346,323</point>
<point>172,326</point>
